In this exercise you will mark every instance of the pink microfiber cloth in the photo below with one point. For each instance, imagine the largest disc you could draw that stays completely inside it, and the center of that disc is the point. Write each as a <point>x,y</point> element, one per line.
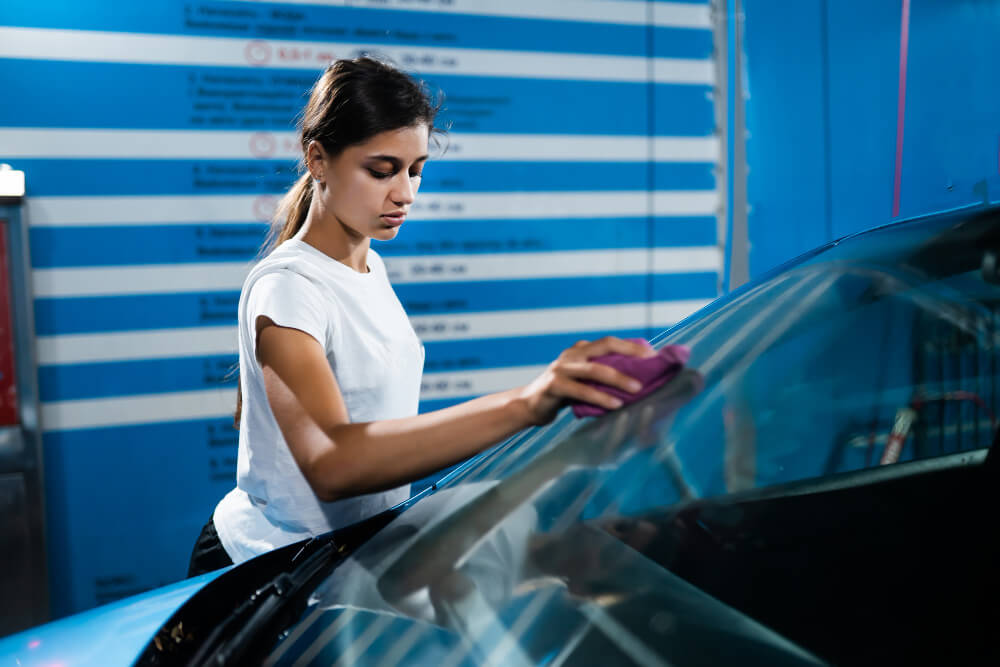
<point>652,372</point>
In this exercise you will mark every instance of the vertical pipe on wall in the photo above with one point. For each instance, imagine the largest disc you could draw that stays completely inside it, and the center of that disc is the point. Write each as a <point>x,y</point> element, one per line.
<point>824,36</point>
<point>904,39</point>
<point>720,92</point>
<point>650,167</point>
<point>737,262</point>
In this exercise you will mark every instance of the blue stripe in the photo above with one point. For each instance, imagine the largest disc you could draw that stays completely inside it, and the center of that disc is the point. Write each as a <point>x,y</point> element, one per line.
<point>666,45</point>
<point>128,313</point>
<point>354,26</point>
<point>468,297</point>
<point>160,311</point>
<point>154,376</point>
<point>53,247</point>
<point>125,378</point>
<point>65,177</point>
<point>473,103</point>
<point>480,354</point>
<point>445,237</point>
<point>113,177</point>
<point>572,107</point>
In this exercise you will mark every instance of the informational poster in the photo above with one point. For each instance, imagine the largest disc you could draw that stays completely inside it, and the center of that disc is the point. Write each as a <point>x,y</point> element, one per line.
<point>572,194</point>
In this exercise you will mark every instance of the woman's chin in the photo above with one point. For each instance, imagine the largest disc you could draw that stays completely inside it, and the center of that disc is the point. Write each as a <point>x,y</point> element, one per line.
<point>386,233</point>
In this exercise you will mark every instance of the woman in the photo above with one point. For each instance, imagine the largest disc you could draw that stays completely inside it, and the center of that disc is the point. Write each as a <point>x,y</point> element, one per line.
<point>329,364</point>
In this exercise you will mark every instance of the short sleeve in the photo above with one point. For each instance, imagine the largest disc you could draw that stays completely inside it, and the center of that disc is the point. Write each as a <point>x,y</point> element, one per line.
<point>290,300</point>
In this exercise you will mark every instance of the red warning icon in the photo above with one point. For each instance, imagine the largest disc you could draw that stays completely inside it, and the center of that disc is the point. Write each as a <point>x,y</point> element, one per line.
<point>264,207</point>
<point>263,144</point>
<point>257,52</point>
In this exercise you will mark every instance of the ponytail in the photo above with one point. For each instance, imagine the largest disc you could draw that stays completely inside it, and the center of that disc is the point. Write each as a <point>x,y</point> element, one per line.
<point>290,213</point>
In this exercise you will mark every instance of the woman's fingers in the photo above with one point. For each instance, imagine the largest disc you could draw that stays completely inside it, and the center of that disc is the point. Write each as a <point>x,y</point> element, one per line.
<point>567,387</point>
<point>568,378</point>
<point>612,345</point>
<point>600,373</point>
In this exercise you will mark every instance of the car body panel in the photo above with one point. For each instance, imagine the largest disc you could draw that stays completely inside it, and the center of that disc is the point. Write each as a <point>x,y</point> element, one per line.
<point>113,634</point>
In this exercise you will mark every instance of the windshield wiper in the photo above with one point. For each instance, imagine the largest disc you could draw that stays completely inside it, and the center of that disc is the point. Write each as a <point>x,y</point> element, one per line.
<point>249,632</point>
<point>267,612</point>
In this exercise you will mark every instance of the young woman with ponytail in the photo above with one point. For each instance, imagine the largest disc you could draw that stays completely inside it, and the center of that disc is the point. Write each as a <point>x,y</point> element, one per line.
<point>329,364</point>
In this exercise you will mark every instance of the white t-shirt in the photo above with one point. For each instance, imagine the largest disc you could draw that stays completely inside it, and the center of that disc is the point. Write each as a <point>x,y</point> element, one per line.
<point>377,360</point>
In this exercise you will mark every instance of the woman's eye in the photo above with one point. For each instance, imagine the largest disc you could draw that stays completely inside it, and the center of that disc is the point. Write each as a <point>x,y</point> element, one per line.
<point>379,174</point>
<point>416,175</point>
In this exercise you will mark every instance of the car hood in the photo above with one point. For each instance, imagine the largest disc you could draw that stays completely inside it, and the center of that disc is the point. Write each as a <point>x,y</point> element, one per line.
<point>113,634</point>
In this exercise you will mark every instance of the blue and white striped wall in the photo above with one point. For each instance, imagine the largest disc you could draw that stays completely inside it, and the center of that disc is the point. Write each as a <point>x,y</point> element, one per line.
<point>577,197</point>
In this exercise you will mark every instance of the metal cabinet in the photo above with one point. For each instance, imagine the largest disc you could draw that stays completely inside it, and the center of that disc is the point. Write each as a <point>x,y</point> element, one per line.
<point>23,575</point>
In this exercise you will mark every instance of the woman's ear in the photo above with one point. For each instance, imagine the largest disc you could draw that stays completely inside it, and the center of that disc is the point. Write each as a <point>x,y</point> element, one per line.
<point>316,161</point>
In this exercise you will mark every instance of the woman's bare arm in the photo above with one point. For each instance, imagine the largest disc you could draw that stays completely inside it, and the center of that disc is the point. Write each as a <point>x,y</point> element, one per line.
<point>341,459</point>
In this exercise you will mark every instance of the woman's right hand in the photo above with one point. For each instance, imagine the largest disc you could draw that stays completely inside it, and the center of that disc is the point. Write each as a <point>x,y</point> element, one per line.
<point>566,378</point>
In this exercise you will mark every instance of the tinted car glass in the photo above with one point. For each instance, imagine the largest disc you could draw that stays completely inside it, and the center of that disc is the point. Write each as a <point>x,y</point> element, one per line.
<point>587,541</point>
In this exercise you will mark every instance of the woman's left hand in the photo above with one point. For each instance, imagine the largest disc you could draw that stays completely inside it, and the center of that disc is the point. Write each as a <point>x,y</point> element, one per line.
<point>565,379</point>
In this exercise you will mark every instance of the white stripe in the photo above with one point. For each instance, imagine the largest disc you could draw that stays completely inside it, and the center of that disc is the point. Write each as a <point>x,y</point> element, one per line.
<point>681,14</point>
<point>521,205</point>
<point>204,341</point>
<point>100,46</point>
<point>436,386</point>
<point>26,142</point>
<point>148,210</point>
<point>150,279</point>
<point>142,409</point>
<point>518,266</point>
<point>131,345</point>
<point>222,276</point>
<point>665,14</point>
<point>41,142</point>
<point>241,209</point>
<point>464,326</point>
<point>668,313</point>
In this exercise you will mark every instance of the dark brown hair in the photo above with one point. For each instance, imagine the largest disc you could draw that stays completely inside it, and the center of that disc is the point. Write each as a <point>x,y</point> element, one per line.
<point>351,102</point>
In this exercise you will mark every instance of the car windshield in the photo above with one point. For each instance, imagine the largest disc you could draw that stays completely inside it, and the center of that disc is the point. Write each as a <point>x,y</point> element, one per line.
<point>870,355</point>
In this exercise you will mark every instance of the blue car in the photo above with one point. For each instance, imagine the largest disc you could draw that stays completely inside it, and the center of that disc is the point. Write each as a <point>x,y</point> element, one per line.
<point>814,487</point>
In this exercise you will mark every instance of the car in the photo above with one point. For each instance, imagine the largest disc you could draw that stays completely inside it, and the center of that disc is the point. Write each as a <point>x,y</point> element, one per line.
<point>815,486</point>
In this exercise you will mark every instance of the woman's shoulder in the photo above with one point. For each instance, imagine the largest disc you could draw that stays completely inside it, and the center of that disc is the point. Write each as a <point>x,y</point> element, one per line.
<point>285,267</point>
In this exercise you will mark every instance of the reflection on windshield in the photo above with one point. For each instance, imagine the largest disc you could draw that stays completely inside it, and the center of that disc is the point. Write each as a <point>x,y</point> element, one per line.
<point>857,360</point>
<point>532,553</point>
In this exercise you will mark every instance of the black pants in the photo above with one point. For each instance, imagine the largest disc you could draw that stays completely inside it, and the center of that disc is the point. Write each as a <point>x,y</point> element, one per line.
<point>208,553</point>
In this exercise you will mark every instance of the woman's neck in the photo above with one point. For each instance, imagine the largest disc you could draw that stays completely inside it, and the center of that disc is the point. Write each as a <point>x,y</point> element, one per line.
<point>331,237</point>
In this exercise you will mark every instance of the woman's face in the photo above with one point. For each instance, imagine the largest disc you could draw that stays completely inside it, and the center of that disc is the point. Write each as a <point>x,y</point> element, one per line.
<point>368,188</point>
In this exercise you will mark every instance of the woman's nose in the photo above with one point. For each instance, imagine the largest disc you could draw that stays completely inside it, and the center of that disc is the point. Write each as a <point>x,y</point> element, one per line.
<point>403,193</point>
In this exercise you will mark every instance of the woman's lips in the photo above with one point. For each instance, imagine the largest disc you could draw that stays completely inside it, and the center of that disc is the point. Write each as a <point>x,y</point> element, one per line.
<point>394,219</point>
